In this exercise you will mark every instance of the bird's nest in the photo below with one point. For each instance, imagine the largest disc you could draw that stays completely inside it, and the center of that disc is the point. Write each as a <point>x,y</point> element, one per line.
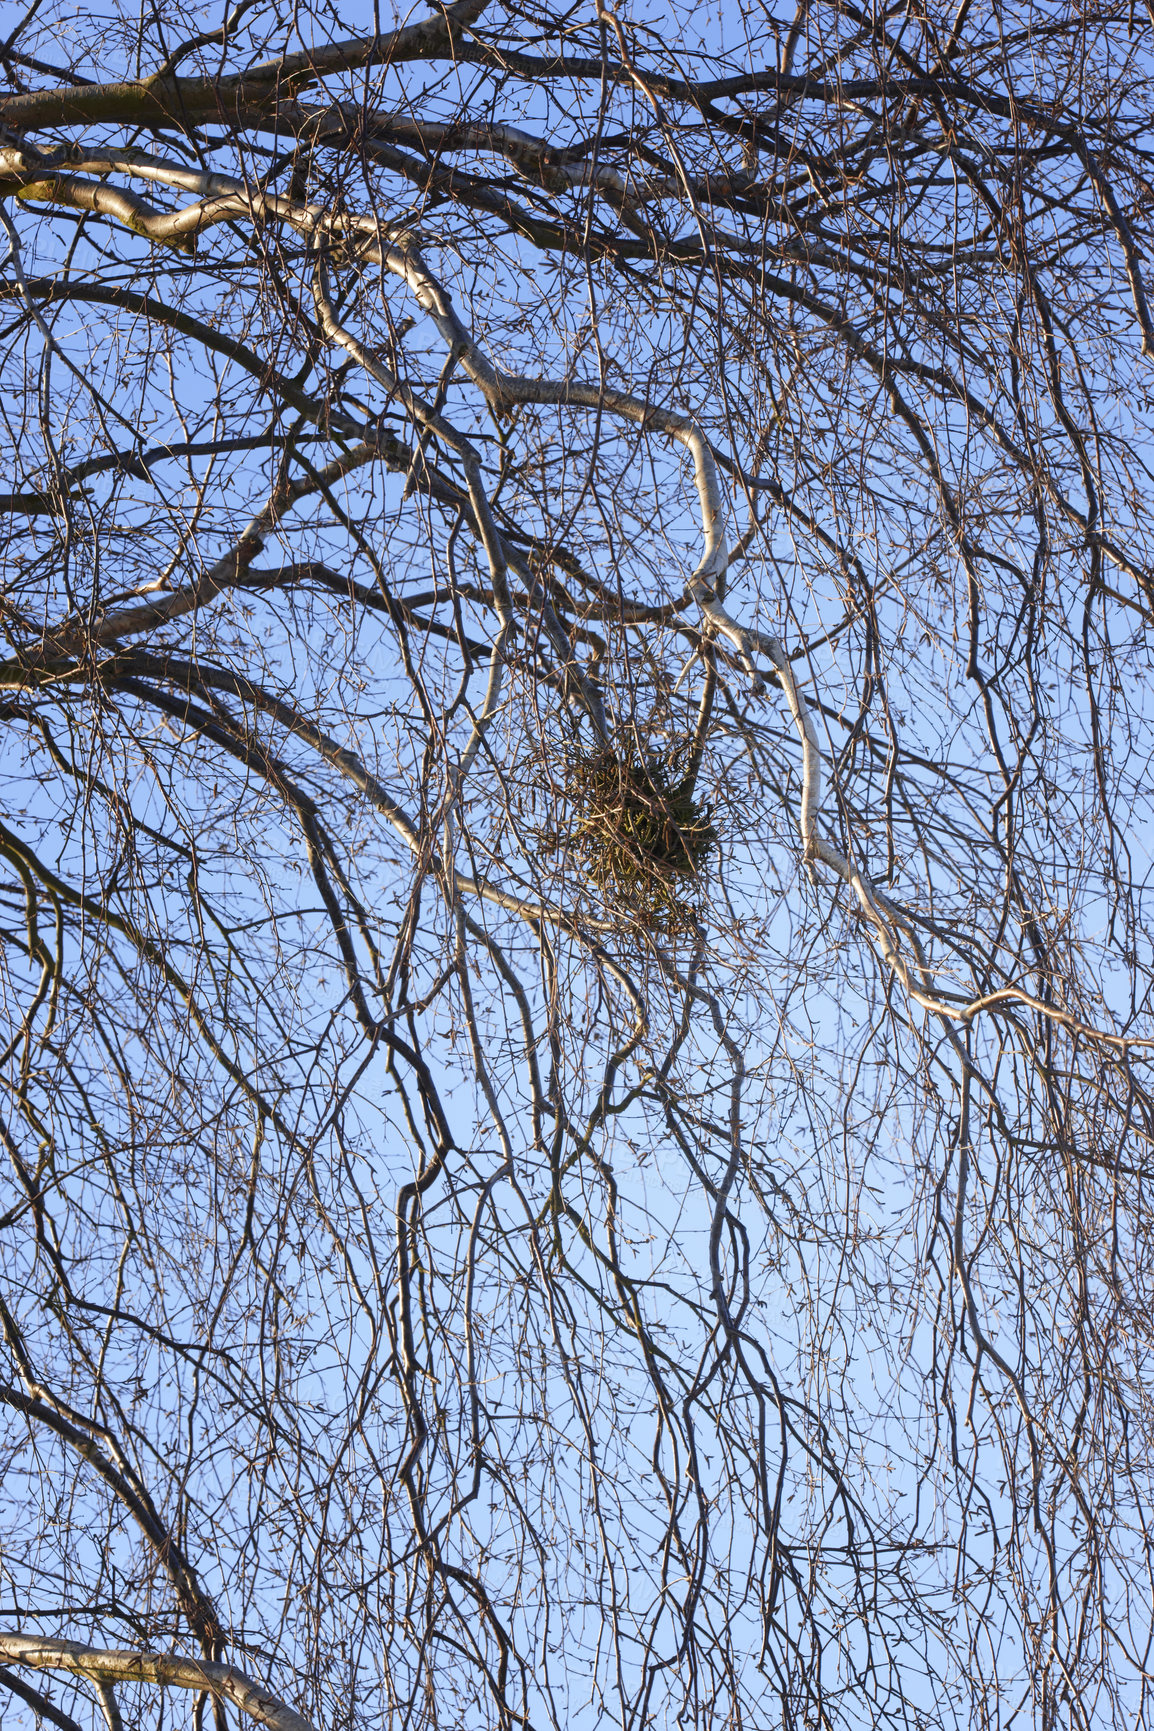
<point>640,836</point>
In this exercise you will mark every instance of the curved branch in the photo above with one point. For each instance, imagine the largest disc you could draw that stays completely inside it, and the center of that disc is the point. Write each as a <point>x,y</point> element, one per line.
<point>167,1670</point>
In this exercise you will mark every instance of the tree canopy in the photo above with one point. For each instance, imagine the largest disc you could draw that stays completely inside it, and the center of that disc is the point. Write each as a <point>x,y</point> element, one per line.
<point>574,910</point>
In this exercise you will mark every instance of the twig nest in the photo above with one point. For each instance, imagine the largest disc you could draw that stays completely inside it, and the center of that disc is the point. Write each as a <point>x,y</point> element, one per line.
<point>641,837</point>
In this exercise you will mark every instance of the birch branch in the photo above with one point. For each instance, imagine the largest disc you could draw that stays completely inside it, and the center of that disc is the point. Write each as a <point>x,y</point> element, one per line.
<point>168,1670</point>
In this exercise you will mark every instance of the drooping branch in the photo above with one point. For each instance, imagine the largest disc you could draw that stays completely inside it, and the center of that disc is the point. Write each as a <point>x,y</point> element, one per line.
<point>165,1670</point>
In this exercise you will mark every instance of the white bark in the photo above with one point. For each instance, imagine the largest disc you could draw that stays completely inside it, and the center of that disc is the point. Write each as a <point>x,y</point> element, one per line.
<point>106,1668</point>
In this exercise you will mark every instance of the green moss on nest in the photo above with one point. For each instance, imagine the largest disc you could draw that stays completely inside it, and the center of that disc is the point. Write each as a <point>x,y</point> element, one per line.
<point>641,837</point>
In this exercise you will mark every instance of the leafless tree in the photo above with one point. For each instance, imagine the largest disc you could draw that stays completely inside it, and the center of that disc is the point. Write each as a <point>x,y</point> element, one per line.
<point>576,953</point>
